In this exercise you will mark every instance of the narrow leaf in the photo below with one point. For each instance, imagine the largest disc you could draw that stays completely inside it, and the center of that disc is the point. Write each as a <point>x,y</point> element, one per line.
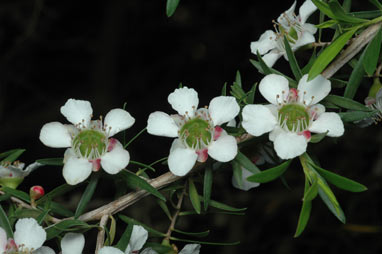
<point>370,60</point>
<point>164,207</point>
<point>355,78</point>
<point>324,8</point>
<point>367,14</point>
<point>204,243</point>
<point>292,60</point>
<point>251,94</point>
<point>225,207</point>
<point>340,181</point>
<point>52,161</point>
<point>346,103</point>
<point>132,221</point>
<point>65,225</point>
<point>353,116</point>
<point>246,163</point>
<point>312,191</point>
<point>341,15</point>
<point>171,7</point>
<point>376,3</point>
<point>4,223</point>
<point>207,187</point>
<point>125,238</point>
<point>60,190</point>
<point>237,173</point>
<point>270,174</point>
<point>87,195</point>
<point>304,213</point>
<point>329,54</point>
<point>224,89</point>
<point>40,219</point>
<point>317,137</point>
<point>333,207</point>
<point>195,234</point>
<point>12,155</point>
<point>194,197</point>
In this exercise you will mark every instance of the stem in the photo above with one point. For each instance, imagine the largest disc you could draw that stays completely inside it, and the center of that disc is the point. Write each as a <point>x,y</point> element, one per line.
<point>101,233</point>
<point>355,46</point>
<point>135,137</point>
<point>175,216</point>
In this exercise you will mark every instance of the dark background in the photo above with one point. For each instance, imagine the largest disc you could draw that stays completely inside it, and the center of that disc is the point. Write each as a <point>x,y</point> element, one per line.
<point>112,52</point>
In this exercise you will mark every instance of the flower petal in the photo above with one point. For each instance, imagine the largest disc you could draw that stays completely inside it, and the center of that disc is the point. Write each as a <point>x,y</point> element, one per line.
<point>190,249</point>
<point>77,112</point>
<point>184,100</point>
<point>285,17</point>
<point>309,28</point>
<point>223,109</point>
<point>305,38</point>
<point>72,243</point>
<point>224,148</point>
<point>44,250</point>
<point>271,57</point>
<point>161,124</point>
<point>274,88</point>
<point>76,170</point>
<point>3,240</point>
<point>306,9</point>
<point>109,250</point>
<point>311,92</point>
<point>247,185</point>
<point>117,120</point>
<point>289,145</point>
<point>138,238</point>
<point>275,132</point>
<point>258,119</point>
<point>181,159</point>
<point>147,251</point>
<point>55,135</point>
<point>265,43</point>
<point>29,233</point>
<point>330,122</point>
<point>115,160</point>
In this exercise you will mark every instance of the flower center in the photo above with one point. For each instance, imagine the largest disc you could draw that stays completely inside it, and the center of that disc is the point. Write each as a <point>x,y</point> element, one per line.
<point>196,133</point>
<point>90,144</point>
<point>293,117</point>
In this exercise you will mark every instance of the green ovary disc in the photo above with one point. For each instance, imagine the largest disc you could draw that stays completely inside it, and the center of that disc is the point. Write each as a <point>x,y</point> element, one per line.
<point>294,116</point>
<point>195,132</point>
<point>90,143</point>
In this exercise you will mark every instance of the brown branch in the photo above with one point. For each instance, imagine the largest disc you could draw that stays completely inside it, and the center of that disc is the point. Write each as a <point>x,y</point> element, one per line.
<point>101,233</point>
<point>175,216</point>
<point>354,48</point>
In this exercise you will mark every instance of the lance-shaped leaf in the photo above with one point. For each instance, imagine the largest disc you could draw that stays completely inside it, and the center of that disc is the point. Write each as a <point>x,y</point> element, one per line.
<point>65,225</point>
<point>304,213</point>
<point>159,248</point>
<point>376,3</point>
<point>352,116</point>
<point>331,202</point>
<point>135,181</point>
<point>330,53</point>
<point>340,181</point>
<point>355,78</point>
<point>132,221</point>
<point>237,173</point>
<point>324,8</point>
<point>207,187</point>
<point>317,137</point>
<point>87,195</point>
<point>225,207</point>
<point>370,60</point>
<point>12,155</point>
<point>193,195</point>
<point>52,161</point>
<point>203,242</point>
<point>40,219</point>
<point>60,190</point>
<point>367,14</point>
<point>341,15</point>
<point>270,174</point>
<point>246,163</point>
<point>292,60</point>
<point>346,103</point>
<point>4,223</point>
<point>164,207</point>
<point>171,7</point>
<point>195,234</point>
<point>125,238</point>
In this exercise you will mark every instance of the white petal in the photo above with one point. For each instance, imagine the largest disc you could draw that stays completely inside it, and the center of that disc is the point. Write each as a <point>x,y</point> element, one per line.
<point>117,120</point>
<point>330,122</point>
<point>109,250</point>
<point>274,88</point>
<point>265,43</point>
<point>77,112</point>
<point>76,170</point>
<point>258,119</point>
<point>223,109</point>
<point>224,148</point>
<point>313,91</point>
<point>29,233</point>
<point>305,39</point>
<point>161,124</point>
<point>289,145</point>
<point>275,132</point>
<point>3,240</point>
<point>309,28</point>
<point>44,250</point>
<point>138,238</point>
<point>115,160</point>
<point>184,100</point>
<point>246,185</point>
<point>147,251</point>
<point>271,57</point>
<point>181,159</point>
<point>55,135</point>
<point>306,9</point>
<point>72,243</point>
<point>285,17</point>
<point>190,249</point>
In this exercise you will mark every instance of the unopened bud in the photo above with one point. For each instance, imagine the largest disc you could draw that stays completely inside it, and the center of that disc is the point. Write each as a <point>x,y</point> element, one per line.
<point>36,192</point>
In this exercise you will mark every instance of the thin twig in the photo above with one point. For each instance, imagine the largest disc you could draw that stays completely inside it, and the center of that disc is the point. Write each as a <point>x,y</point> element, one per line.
<point>354,48</point>
<point>101,233</point>
<point>175,216</point>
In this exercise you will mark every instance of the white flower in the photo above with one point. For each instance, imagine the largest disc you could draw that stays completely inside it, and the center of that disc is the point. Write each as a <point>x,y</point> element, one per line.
<point>375,104</point>
<point>197,130</point>
<point>11,175</point>
<point>28,238</point>
<point>298,33</point>
<point>292,115</point>
<point>89,143</point>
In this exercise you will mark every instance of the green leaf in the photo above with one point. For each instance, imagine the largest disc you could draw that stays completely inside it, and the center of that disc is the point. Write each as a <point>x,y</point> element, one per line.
<point>137,182</point>
<point>251,94</point>
<point>159,248</point>
<point>195,234</point>
<point>340,181</point>
<point>40,219</point>
<point>171,7</point>
<point>270,174</point>
<point>12,155</point>
<point>338,83</point>
<point>87,195</point>
<point>370,60</point>
<point>237,173</point>
<point>312,191</point>
<point>132,221</point>
<point>376,3</point>
<point>317,137</point>
<point>142,165</point>
<point>60,190</point>
<point>355,78</point>
<point>194,197</point>
<point>17,193</point>
<point>4,223</point>
<point>346,103</point>
<point>125,238</point>
<point>225,207</point>
<point>324,8</point>
<point>203,243</point>
<point>353,116</point>
<point>246,163</point>
<point>164,207</point>
<point>330,53</point>
<point>367,14</point>
<point>304,213</point>
<point>327,24</point>
<point>207,187</point>
<point>309,65</point>
<point>60,210</point>
<point>112,231</point>
<point>333,207</point>
<point>341,15</point>
<point>224,89</point>
<point>64,226</point>
<point>52,161</point>
<point>292,60</point>
<point>347,5</point>
<point>238,79</point>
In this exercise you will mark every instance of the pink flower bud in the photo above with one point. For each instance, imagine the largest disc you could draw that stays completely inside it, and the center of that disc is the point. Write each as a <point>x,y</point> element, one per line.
<point>36,192</point>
